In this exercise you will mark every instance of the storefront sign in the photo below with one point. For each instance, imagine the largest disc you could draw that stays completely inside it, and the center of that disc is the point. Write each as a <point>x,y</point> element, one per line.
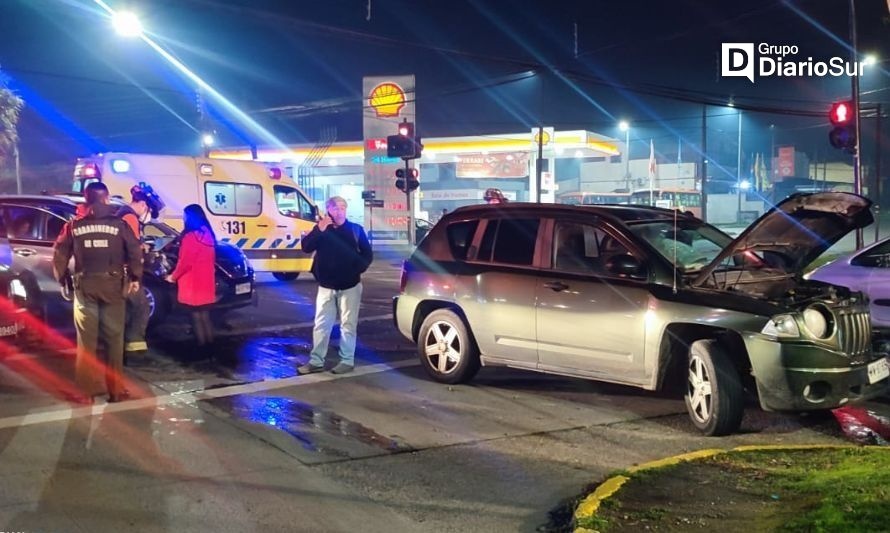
<point>500,165</point>
<point>786,161</point>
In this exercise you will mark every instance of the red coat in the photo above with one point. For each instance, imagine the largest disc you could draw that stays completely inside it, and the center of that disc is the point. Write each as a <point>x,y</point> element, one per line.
<point>194,272</point>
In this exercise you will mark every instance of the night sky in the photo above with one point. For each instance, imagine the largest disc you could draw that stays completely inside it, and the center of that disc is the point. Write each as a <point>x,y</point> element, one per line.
<point>482,67</point>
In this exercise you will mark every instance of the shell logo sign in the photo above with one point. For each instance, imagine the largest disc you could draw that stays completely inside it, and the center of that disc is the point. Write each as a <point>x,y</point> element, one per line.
<point>387,99</point>
<point>545,141</point>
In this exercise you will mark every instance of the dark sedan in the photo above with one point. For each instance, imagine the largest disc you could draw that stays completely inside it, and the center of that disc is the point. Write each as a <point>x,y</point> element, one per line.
<point>33,222</point>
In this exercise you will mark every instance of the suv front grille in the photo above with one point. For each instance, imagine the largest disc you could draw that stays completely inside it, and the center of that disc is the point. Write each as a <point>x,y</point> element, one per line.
<point>854,334</point>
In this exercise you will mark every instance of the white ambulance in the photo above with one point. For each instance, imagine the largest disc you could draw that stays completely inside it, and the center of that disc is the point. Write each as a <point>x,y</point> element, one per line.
<point>249,203</point>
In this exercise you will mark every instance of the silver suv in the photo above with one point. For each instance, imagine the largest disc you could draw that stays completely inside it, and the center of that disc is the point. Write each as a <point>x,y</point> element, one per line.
<point>641,296</point>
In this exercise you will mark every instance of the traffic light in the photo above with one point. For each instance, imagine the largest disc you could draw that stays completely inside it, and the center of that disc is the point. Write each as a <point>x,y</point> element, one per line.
<point>407,179</point>
<point>404,145</point>
<point>843,120</point>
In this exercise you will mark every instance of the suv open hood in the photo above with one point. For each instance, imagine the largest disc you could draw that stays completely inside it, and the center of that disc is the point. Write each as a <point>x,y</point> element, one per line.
<point>799,229</point>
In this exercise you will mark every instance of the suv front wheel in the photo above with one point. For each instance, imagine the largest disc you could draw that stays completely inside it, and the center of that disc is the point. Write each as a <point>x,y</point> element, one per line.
<point>714,396</point>
<point>446,349</point>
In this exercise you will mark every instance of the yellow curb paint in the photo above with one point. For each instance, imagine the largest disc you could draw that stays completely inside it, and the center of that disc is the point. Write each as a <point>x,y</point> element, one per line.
<point>676,459</point>
<point>589,505</point>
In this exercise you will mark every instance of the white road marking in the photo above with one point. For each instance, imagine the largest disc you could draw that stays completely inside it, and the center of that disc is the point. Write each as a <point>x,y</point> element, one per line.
<point>69,413</point>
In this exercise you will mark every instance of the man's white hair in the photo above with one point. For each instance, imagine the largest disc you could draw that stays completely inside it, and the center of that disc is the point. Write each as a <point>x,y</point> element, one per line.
<point>333,200</point>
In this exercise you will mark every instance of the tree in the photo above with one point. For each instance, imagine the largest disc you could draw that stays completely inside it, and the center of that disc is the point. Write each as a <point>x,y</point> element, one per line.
<point>10,108</point>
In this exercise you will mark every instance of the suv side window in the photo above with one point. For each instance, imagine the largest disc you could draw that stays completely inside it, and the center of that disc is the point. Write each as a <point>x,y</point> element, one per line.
<point>583,248</point>
<point>515,241</point>
<point>460,237</point>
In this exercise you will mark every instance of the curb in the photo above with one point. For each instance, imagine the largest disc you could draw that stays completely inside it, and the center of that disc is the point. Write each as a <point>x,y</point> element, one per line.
<point>590,504</point>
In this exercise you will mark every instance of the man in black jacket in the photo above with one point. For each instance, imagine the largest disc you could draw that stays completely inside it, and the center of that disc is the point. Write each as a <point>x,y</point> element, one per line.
<point>107,267</point>
<point>342,254</point>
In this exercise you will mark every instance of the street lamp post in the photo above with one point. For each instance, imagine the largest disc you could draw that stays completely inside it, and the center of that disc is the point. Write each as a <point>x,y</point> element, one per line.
<point>738,168</point>
<point>625,127</point>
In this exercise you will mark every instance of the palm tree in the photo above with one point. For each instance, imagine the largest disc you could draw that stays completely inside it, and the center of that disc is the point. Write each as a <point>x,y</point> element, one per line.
<point>10,108</point>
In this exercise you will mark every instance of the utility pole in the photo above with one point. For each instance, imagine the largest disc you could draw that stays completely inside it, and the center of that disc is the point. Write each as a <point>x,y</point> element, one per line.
<point>876,196</point>
<point>539,164</point>
<point>704,162</point>
<point>738,173</point>
<point>772,152</point>
<point>857,156</point>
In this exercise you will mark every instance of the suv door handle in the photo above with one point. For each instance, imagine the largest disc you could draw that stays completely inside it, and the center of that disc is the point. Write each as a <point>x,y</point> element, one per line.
<point>556,286</point>
<point>25,252</point>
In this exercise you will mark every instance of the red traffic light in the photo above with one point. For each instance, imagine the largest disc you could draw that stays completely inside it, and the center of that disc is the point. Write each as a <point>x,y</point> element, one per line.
<point>841,113</point>
<point>407,173</point>
<point>406,129</point>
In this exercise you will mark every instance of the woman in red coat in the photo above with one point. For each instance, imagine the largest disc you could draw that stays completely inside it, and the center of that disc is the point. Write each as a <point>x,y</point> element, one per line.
<point>194,272</point>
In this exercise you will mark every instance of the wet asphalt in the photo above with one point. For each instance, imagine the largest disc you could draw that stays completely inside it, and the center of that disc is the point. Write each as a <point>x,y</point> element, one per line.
<point>231,439</point>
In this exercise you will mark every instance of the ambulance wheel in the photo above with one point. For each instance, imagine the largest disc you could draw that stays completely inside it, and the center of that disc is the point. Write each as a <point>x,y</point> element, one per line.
<point>286,276</point>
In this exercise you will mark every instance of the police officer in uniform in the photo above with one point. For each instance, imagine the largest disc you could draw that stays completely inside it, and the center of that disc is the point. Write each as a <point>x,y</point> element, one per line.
<point>107,267</point>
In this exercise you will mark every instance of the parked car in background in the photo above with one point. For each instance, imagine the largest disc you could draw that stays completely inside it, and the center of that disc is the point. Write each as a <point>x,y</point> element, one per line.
<point>19,297</point>
<point>643,296</point>
<point>34,222</point>
<point>421,228</point>
<point>866,270</point>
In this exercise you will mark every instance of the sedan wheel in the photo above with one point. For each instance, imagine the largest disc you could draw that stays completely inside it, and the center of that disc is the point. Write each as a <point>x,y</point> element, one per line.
<point>714,396</point>
<point>150,298</point>
<point>446,349</point>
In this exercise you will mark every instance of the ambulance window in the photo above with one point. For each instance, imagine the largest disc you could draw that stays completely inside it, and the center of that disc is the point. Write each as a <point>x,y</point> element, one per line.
<point>233,199</point>
<point>291,203</point>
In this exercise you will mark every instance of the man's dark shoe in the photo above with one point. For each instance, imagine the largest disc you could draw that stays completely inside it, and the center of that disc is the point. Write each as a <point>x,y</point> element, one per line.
<point>342,368</point>
<point>309,369</point>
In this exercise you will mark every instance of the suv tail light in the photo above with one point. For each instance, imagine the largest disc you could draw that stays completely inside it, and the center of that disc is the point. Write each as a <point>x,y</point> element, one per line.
<point>403,279</point>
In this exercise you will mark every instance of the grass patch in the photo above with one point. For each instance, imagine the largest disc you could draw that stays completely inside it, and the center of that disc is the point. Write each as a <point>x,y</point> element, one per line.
<point>842,490</point>
<point>825,490</point>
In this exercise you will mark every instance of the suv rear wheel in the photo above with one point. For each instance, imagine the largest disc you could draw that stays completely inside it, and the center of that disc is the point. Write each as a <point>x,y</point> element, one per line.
<point>714,396</point>
<point>285,276</point>
<point>446,349</point>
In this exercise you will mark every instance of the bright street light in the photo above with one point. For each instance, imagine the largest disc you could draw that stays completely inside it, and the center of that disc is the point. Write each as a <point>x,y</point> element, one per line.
<point>126,23</point>
<point>870,59</point>
<point>625,127</point>
<point>207,139</point>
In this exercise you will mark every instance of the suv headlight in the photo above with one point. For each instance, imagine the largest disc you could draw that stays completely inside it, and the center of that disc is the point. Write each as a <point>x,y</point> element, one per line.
<point>818,322</point>
<point>782,326</point>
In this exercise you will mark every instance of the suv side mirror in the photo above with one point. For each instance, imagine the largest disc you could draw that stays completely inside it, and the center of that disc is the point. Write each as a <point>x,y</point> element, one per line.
<point>314,209</point>
<point>624,265</point>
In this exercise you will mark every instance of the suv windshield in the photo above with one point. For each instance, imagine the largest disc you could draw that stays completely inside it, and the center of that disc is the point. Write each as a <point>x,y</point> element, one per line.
<point>689,245</point>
